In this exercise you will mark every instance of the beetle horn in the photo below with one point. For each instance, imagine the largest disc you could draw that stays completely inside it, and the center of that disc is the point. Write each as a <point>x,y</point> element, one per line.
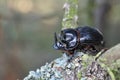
<point>56,40</point>
<point>58,45</point>
<point>55,37</point>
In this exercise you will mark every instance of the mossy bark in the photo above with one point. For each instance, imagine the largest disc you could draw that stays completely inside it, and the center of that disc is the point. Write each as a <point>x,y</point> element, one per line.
<point>70,18</point>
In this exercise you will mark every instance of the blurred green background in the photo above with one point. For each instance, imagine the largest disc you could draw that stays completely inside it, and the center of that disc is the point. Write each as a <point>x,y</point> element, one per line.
<point>27,31</point>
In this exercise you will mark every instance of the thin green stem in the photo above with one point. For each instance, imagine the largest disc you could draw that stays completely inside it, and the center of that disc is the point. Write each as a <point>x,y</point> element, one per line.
<point>70,18</point>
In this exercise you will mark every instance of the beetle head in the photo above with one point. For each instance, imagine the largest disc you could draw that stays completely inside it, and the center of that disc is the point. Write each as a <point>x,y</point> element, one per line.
<point>66,40</point>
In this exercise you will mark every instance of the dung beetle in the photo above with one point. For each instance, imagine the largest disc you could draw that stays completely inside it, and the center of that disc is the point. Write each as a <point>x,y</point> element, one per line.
<point>85,39</point>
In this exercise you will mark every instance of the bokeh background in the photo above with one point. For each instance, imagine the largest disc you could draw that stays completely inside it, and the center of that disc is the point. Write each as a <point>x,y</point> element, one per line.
<point>27,31</point>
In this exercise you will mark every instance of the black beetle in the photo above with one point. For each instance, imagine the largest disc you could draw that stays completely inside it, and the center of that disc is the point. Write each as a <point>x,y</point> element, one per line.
<point>86,39</point>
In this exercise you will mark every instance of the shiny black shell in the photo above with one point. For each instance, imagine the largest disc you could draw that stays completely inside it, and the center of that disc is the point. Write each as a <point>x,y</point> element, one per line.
<point>89,35</point>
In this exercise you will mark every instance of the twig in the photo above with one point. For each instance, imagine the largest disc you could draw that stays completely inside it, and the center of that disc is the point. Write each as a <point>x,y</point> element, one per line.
<point>70,18</point>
